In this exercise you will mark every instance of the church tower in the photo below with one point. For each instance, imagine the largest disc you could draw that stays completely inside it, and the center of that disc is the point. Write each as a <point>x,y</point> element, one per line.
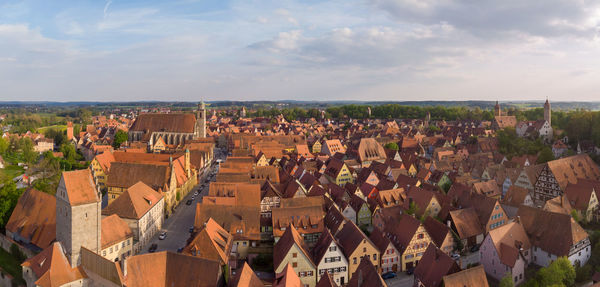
<point>78,218</point>
<point>201,120</point>
<point>497,110</point>
<point>547,112</point>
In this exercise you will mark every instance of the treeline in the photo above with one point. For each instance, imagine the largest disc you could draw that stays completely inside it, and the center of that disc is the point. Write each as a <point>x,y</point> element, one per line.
<point>23,120</point>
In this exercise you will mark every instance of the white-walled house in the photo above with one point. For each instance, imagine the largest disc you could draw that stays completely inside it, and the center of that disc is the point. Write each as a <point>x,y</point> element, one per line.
<point>554,235</point>
<point>328,257</point>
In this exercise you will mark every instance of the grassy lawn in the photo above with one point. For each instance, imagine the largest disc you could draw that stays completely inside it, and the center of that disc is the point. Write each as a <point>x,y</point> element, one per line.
<point>11,266</point>
<point>57,127</point>
<point>10,172</point>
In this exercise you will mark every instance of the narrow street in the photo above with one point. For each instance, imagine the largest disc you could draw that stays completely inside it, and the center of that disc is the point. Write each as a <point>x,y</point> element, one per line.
<point>178,224</point>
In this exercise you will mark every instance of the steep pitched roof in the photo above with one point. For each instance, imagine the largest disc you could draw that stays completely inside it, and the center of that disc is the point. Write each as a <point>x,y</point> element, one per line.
<point>212,242</point>
<point>467,222</point>
<point>287,278</point>
<point>166,269</point>
<point>124,175</point>
<point>114,230</point>
<point>134,202</point>
<point>177,123</point>
<point>290,238</point>
<point>433,266</point>
<point>80,187</point>
<point>322,245</point>
<point>552,232</point>
<point>508,240</point>
<point>472,277</point>
<point>570,169</point>
<point>326,281</point>
<point>436,230</point>
<point>366,275</point>
<point>370,150</point>
<point>350,237</point>
<point>34,218</point>
<point>246,278</point>
<point>52,268</point>
<point>402,231</point>
<point>231,218</point>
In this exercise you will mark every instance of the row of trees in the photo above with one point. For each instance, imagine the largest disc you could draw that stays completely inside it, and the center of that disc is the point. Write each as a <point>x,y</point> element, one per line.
<point>509,144</point>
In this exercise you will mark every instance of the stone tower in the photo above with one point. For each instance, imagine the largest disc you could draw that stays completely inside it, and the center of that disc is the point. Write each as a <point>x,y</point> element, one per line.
<point>243,112</point>
<point>497,110</point>
<point>547,112</point>
<point>201,120</point>
<point>78,218</point>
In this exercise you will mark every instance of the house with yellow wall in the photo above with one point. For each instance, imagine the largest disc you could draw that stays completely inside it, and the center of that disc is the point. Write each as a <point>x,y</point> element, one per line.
<point>290,249</point>
<point>357,245</point>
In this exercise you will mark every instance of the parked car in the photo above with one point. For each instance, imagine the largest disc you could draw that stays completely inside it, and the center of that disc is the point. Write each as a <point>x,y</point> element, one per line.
<point>196,193</point>
<point>410,271</point>
<point>388,275</point>
<point>180,249</point>
<point>193,197</point>
<point>162,235</point>
<point>475,248</point>
<point>455,256</point>
<point>192,229</point>
<point>153,248</point>
<point>189,202</point>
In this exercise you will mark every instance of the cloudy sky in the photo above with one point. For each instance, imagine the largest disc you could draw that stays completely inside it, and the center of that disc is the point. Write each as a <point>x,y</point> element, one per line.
<point>305,50</point>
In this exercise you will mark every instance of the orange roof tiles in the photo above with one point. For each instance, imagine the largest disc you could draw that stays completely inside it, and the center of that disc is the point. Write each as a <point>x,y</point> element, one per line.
<point>134,202</point>
<point>34,218</point>
<point>52,268</point>
<point>80,187</point>
<point>114,230</point>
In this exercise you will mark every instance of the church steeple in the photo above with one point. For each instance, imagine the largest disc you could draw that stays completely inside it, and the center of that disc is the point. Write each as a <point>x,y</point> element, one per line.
<point>201,120</point>
<point>547,112</point>
<point>497,110</point>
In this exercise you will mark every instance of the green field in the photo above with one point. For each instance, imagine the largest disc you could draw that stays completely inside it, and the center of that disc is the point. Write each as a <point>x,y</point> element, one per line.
<point>10,172</point>
<point>57,127</point>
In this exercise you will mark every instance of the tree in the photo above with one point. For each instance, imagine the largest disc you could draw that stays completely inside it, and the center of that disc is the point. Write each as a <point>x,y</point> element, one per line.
<point>558,273</point>
<point>3,146</point>
<point>9,195</point>
<point>69,152</point>
<point>507,280</point>
<point>392,146</point>
<point>120,137</point>
<point>546,155</point>
<point>26,147</point>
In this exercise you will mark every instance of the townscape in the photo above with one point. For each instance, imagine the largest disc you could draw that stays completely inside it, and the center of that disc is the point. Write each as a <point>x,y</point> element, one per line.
<point>219,196</point>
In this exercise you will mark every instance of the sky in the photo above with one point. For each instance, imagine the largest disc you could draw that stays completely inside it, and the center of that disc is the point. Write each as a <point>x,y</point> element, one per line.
<point>370,50</point>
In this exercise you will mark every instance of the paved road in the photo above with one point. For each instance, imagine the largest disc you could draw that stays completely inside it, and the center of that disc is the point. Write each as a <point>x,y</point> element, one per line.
<point>179,223</point>
<point>402,280</point>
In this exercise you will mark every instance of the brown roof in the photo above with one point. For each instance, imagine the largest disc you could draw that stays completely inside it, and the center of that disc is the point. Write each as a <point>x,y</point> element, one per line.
<point>167,269</point>
<point>403,230</point>
<point>308,218</point>
<point>472,277</point>
<point>433,266</point>
<point>570,169</point>
<point>52,268</point>
<point>124,175</point>
<point>212,242</point>
<point>370,150</point>
<point>134,202</point>
<point>508,240</point>
<point>34,218</point>
<point>80,187</point>
<point>366,275</point>
<point>232,219</point>
<point>552,232</point>
<point>290,238</point>
<point>515,195</point>
<point>246,278</point>
<point>114,230</point>
<point>436,230</point>
<point>467,222</point>
<point>177,123</point>
<point>326,281</point>
<point>322,245</point>
<point>579,194</point>
<point>350,237</point>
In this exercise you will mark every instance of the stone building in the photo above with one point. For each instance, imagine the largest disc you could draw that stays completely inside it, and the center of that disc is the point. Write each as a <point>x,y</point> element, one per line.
<point>78,219</point>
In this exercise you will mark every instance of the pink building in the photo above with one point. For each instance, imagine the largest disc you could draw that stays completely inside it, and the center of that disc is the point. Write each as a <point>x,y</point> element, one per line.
<point>506,249</point>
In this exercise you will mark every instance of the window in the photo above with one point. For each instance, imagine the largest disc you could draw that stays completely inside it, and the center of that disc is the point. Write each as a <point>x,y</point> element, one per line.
<point>294,264</point>
<point>374,256</point>
<point>104,253</point>
<point>420,236</point>
<point>354,260</point>
<point>294,255</point>
<point>333,248</point>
